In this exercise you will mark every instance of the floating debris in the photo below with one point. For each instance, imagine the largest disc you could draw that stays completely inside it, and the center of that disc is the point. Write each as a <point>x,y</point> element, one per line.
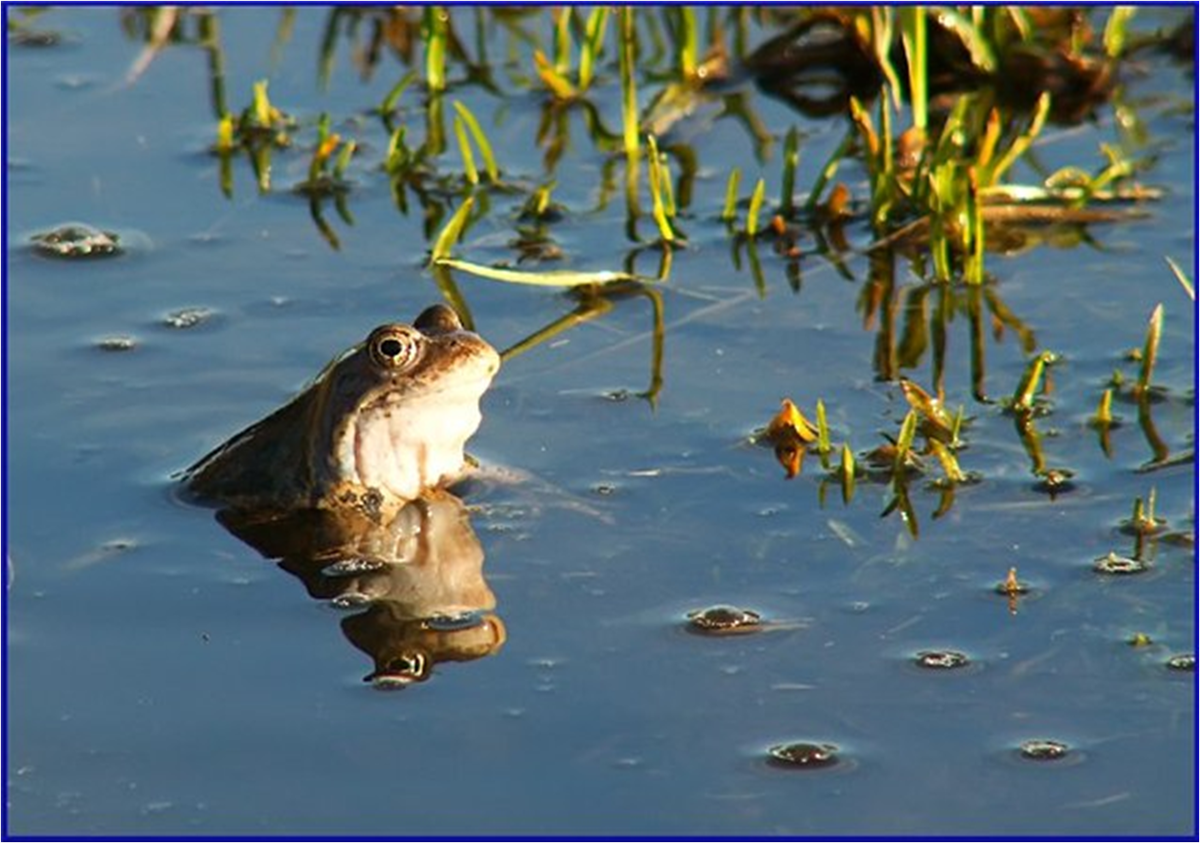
<point>76,240</point>
<point>118,342</point>
<point>188,317</point>
<point>1183,662</point>
<point>723,620</point>
<point>1055,481</point>
<point>1013,589</point>
<point>804,756</point>
<point>941,659</point>
<point>1139,639</point>
<point>1116,565</point>
<point>1044,750</point>
<point>1011,585</point>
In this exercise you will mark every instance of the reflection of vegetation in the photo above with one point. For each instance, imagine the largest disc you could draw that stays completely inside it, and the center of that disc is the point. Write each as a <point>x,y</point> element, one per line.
<point>939,181</point>
<point>935,107</point>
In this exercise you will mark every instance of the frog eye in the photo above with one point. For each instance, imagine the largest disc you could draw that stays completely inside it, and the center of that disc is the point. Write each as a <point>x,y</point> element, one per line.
<point>394,347</point>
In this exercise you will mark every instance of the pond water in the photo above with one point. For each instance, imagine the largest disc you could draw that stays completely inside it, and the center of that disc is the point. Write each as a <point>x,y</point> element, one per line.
<point>162,677</point>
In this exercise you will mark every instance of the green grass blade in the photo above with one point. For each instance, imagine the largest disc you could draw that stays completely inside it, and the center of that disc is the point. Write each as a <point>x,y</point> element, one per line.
<point>388,104</point>
<point>1022,142</point>
<point>433,27</point>
<point>481,141</point>
<point>688,40</point>
<point>629,113</point>
<point>451,232</point>
<point>791,160</point>
<point>1022,401</point>
<point>464,146</point>
<point>659,185</point>
<point>828,172</point>
<point>731,194</point>
<point>823,445</point>
<point>339,168</point>
<point>756,201</point>
<point>551,278</point>
<point>904,442</point>
<point>912,27</point>
<point>1182,278</point>
<point>1150,351</point>
<point>562,38</point>
<point>1115,30</point>
<point>593,44</point>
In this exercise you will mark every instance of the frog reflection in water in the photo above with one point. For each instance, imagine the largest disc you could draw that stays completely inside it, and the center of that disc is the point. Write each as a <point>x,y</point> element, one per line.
<point>381,424</point>
<point>344,486</point>
<point>416,583</point>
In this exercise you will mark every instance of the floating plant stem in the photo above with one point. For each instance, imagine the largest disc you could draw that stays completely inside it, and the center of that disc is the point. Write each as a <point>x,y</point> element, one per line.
<point>731,194</point>
<point>756,200</point>
<point>551,278</point>
<point>1150,351</point>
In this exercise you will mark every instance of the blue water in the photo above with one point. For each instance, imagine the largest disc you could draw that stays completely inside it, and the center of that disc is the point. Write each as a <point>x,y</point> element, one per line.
<point>163,678</point>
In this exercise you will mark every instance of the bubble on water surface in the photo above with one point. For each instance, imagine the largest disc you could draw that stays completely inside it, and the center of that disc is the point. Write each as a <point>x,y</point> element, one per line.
<point>941,659</point>
<point>723,620</point>
<point>804,756</point>
<point>1115,565</point>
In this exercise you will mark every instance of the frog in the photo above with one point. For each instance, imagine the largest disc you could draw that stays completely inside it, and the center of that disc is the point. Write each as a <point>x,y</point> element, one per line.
<point>383,423</point>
